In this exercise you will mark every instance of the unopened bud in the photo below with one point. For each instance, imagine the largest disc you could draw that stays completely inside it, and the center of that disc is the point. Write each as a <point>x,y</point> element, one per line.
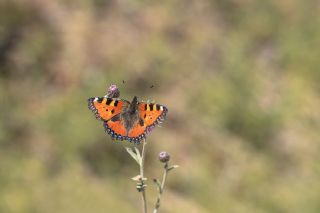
<point>113,92</point>
<point>164,157</point>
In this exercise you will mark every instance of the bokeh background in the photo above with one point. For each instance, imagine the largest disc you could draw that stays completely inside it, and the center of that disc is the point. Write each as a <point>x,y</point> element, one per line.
<point>240,79</point>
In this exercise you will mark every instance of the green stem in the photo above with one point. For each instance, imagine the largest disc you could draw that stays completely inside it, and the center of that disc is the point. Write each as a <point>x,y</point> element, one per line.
<point>143,191</point>
<point>161,188</point>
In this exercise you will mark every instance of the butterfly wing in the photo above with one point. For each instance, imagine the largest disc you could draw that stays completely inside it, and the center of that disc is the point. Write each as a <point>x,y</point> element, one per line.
<point>105,108</point>
<point>137,133</point>
<point>152,114</point>
<point>108,110</point>
<point>149,116</point>
<point>115,129</point>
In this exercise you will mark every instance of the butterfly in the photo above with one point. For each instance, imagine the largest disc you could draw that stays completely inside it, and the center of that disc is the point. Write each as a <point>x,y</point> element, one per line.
<point>125,120</point>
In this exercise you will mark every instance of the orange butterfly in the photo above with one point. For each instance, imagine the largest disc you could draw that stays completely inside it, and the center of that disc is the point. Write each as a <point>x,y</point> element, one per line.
<point>127,121</point>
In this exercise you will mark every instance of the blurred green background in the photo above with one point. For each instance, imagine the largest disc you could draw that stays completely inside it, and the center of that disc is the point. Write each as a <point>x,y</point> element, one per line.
<point>240,79</point>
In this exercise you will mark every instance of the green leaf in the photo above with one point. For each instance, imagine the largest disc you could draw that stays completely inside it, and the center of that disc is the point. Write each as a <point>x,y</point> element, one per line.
<point>172,167</point>
<point>138,178</point>
<point>139,158</point>
<point>134,155</point>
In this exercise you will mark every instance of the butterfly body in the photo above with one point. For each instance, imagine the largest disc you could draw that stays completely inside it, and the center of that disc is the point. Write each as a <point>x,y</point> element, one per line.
<point>129,116</point>
<point>125,120</point>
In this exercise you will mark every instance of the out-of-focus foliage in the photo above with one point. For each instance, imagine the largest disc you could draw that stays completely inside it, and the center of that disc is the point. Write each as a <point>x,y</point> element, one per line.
<point>240,79</point>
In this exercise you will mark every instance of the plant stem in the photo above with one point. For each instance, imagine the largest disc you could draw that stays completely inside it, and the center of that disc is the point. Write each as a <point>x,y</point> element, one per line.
<point>143,192</point>
<point>161,188</point>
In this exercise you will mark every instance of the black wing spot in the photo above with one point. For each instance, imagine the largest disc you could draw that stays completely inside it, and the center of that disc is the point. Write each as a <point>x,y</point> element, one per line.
<point>145,115</point>
<point>109,100</point>
<point>112,111</point>
<point>141,122</point>
<point>151,107</point>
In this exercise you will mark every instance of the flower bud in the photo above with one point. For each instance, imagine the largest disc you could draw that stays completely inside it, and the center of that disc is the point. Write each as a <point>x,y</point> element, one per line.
<point>113,92</point>
<point>164,157</point>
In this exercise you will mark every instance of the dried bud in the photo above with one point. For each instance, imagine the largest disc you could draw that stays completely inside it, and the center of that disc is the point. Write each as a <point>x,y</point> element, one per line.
<point>113,92</point>
<point>164,157</point>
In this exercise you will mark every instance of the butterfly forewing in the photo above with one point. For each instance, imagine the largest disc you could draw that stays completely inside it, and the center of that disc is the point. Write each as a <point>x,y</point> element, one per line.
<point>152,113</point>
<point>105,108</point>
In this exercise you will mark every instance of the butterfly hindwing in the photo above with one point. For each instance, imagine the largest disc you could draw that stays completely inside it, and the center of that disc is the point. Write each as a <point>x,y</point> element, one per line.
<point>105,108</point>
<point>115,129</point>
<point>138,131</point>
